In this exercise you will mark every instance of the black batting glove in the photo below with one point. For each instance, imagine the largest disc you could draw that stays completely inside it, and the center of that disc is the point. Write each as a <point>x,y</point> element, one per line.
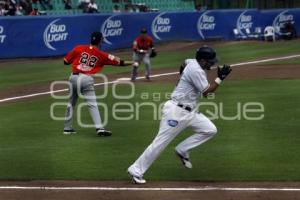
<point>224,71</point>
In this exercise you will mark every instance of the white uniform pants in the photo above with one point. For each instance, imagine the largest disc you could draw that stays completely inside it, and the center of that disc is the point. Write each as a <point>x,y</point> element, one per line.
<point>174,120</point>
<point>85,85</point>
<point>138,57</point>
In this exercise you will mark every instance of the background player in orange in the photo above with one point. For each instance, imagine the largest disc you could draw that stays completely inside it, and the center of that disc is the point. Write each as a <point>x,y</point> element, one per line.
<point>87,60</point>
<point>143,49</point>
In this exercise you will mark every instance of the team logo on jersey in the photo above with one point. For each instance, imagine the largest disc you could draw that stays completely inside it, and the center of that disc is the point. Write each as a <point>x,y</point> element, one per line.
<point>281,19</point>
<point>206,22</point>
<point>55,32</point>
<point>172,123</point>
<point>244,22</point>
<point>160,25</point>
<point>2,36</point>
<point>111,28</point>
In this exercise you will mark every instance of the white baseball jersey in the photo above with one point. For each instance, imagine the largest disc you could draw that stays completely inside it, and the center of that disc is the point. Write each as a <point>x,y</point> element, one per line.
<point>191,85</point>
<point>175,119</point>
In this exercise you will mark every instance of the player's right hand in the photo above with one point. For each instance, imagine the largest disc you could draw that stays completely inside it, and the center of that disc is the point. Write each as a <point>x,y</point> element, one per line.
<point>224,71</point>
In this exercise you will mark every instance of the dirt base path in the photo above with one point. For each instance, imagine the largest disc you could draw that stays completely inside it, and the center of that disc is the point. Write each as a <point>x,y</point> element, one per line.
<point>239,73</point>
<point>119,190</point>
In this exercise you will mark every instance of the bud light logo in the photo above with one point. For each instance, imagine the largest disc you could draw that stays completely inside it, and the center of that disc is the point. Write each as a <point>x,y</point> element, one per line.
<point>282,19</point>
<point>2,36</point>
<point>244,22</point>
<point>206,23</point>
<point>55,32</point>
<point>160,25</point>
<point>111,28</point>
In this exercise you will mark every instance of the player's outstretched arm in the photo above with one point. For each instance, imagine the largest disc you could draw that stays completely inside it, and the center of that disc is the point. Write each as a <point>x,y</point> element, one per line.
<point>223,72</point>
<point>128,63</point>
<point>120,62</point>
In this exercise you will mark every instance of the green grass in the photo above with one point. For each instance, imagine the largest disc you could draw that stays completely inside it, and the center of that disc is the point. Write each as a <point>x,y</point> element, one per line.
<point>234,52</point>
<point>32,146</point>
<point>32,72</point>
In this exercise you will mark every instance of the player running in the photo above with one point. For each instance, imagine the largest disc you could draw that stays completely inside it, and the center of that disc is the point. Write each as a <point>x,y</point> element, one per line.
<point>87,60</point>
<point>180,113</point>
<point>143,49</point>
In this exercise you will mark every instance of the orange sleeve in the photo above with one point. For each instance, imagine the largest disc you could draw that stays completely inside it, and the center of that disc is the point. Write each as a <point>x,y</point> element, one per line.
<point>108,59</point>
<point>69,58</point>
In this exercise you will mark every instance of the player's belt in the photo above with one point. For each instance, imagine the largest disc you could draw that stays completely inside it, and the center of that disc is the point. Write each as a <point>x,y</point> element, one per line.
<point>75,73</point>
<point>185,107</point>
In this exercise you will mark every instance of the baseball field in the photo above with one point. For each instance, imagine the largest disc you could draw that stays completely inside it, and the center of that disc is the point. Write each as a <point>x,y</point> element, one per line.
<point>256,112</point>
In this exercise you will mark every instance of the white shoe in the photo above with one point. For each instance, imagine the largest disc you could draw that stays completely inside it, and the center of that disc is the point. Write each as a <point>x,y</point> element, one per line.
<point>136,179</point>
<point>185,161</point>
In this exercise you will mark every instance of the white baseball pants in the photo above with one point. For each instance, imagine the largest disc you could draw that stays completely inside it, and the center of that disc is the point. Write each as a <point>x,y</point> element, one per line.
<point>174,120</point>
<point>84,85</point>
<point>141,58</point>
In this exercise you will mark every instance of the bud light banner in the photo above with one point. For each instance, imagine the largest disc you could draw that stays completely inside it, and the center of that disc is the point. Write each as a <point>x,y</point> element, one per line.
<point>43,36</point>
<point>277,18</point>
<point>55,34</point>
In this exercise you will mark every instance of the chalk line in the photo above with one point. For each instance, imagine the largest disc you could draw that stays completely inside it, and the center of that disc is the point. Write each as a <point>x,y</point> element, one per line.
<point>254,189</point>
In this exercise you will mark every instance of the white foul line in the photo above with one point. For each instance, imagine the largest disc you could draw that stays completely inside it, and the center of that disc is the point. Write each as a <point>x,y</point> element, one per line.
<point>141,77</point>
<point>266,60</point>
<point>254,189</point>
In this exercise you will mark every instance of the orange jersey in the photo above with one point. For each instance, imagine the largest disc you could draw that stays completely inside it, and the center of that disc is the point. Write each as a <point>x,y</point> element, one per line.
<point>142,44</point>
<point>89,60</point>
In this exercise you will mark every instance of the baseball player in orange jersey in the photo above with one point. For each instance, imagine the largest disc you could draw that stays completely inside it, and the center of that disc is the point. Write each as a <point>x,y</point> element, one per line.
<point>87,60</point>
<point>143,50</point>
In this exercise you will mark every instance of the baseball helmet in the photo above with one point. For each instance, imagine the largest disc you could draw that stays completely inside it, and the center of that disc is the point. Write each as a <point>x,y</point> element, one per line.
<point>143,30</point>
<point>96,38</point>
<point>207,53</point>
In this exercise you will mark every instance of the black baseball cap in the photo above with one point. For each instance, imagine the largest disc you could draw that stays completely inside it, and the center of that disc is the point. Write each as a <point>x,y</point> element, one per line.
<point>96,38</point>
<point>143,30</point>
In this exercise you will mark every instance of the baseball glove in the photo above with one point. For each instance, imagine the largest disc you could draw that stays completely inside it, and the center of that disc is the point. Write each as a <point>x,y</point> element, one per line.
<point>153,54</point>
<point>224,71</point>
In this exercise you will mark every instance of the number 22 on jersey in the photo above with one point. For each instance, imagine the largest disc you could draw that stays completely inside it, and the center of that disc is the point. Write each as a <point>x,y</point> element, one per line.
<point>88,61</point>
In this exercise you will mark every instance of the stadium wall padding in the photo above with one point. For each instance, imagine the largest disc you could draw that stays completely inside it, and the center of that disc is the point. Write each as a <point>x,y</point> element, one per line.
<point>44,36</point>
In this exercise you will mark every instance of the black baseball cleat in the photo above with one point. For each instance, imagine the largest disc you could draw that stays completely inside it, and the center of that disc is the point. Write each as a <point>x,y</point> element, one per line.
<point>185,161</point>
<point>103,132</point>
<point>69,132</point>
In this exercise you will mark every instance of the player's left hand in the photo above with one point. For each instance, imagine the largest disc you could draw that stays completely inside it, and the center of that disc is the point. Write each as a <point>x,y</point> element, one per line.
<point>153,53</point>
<point>224,71</point>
